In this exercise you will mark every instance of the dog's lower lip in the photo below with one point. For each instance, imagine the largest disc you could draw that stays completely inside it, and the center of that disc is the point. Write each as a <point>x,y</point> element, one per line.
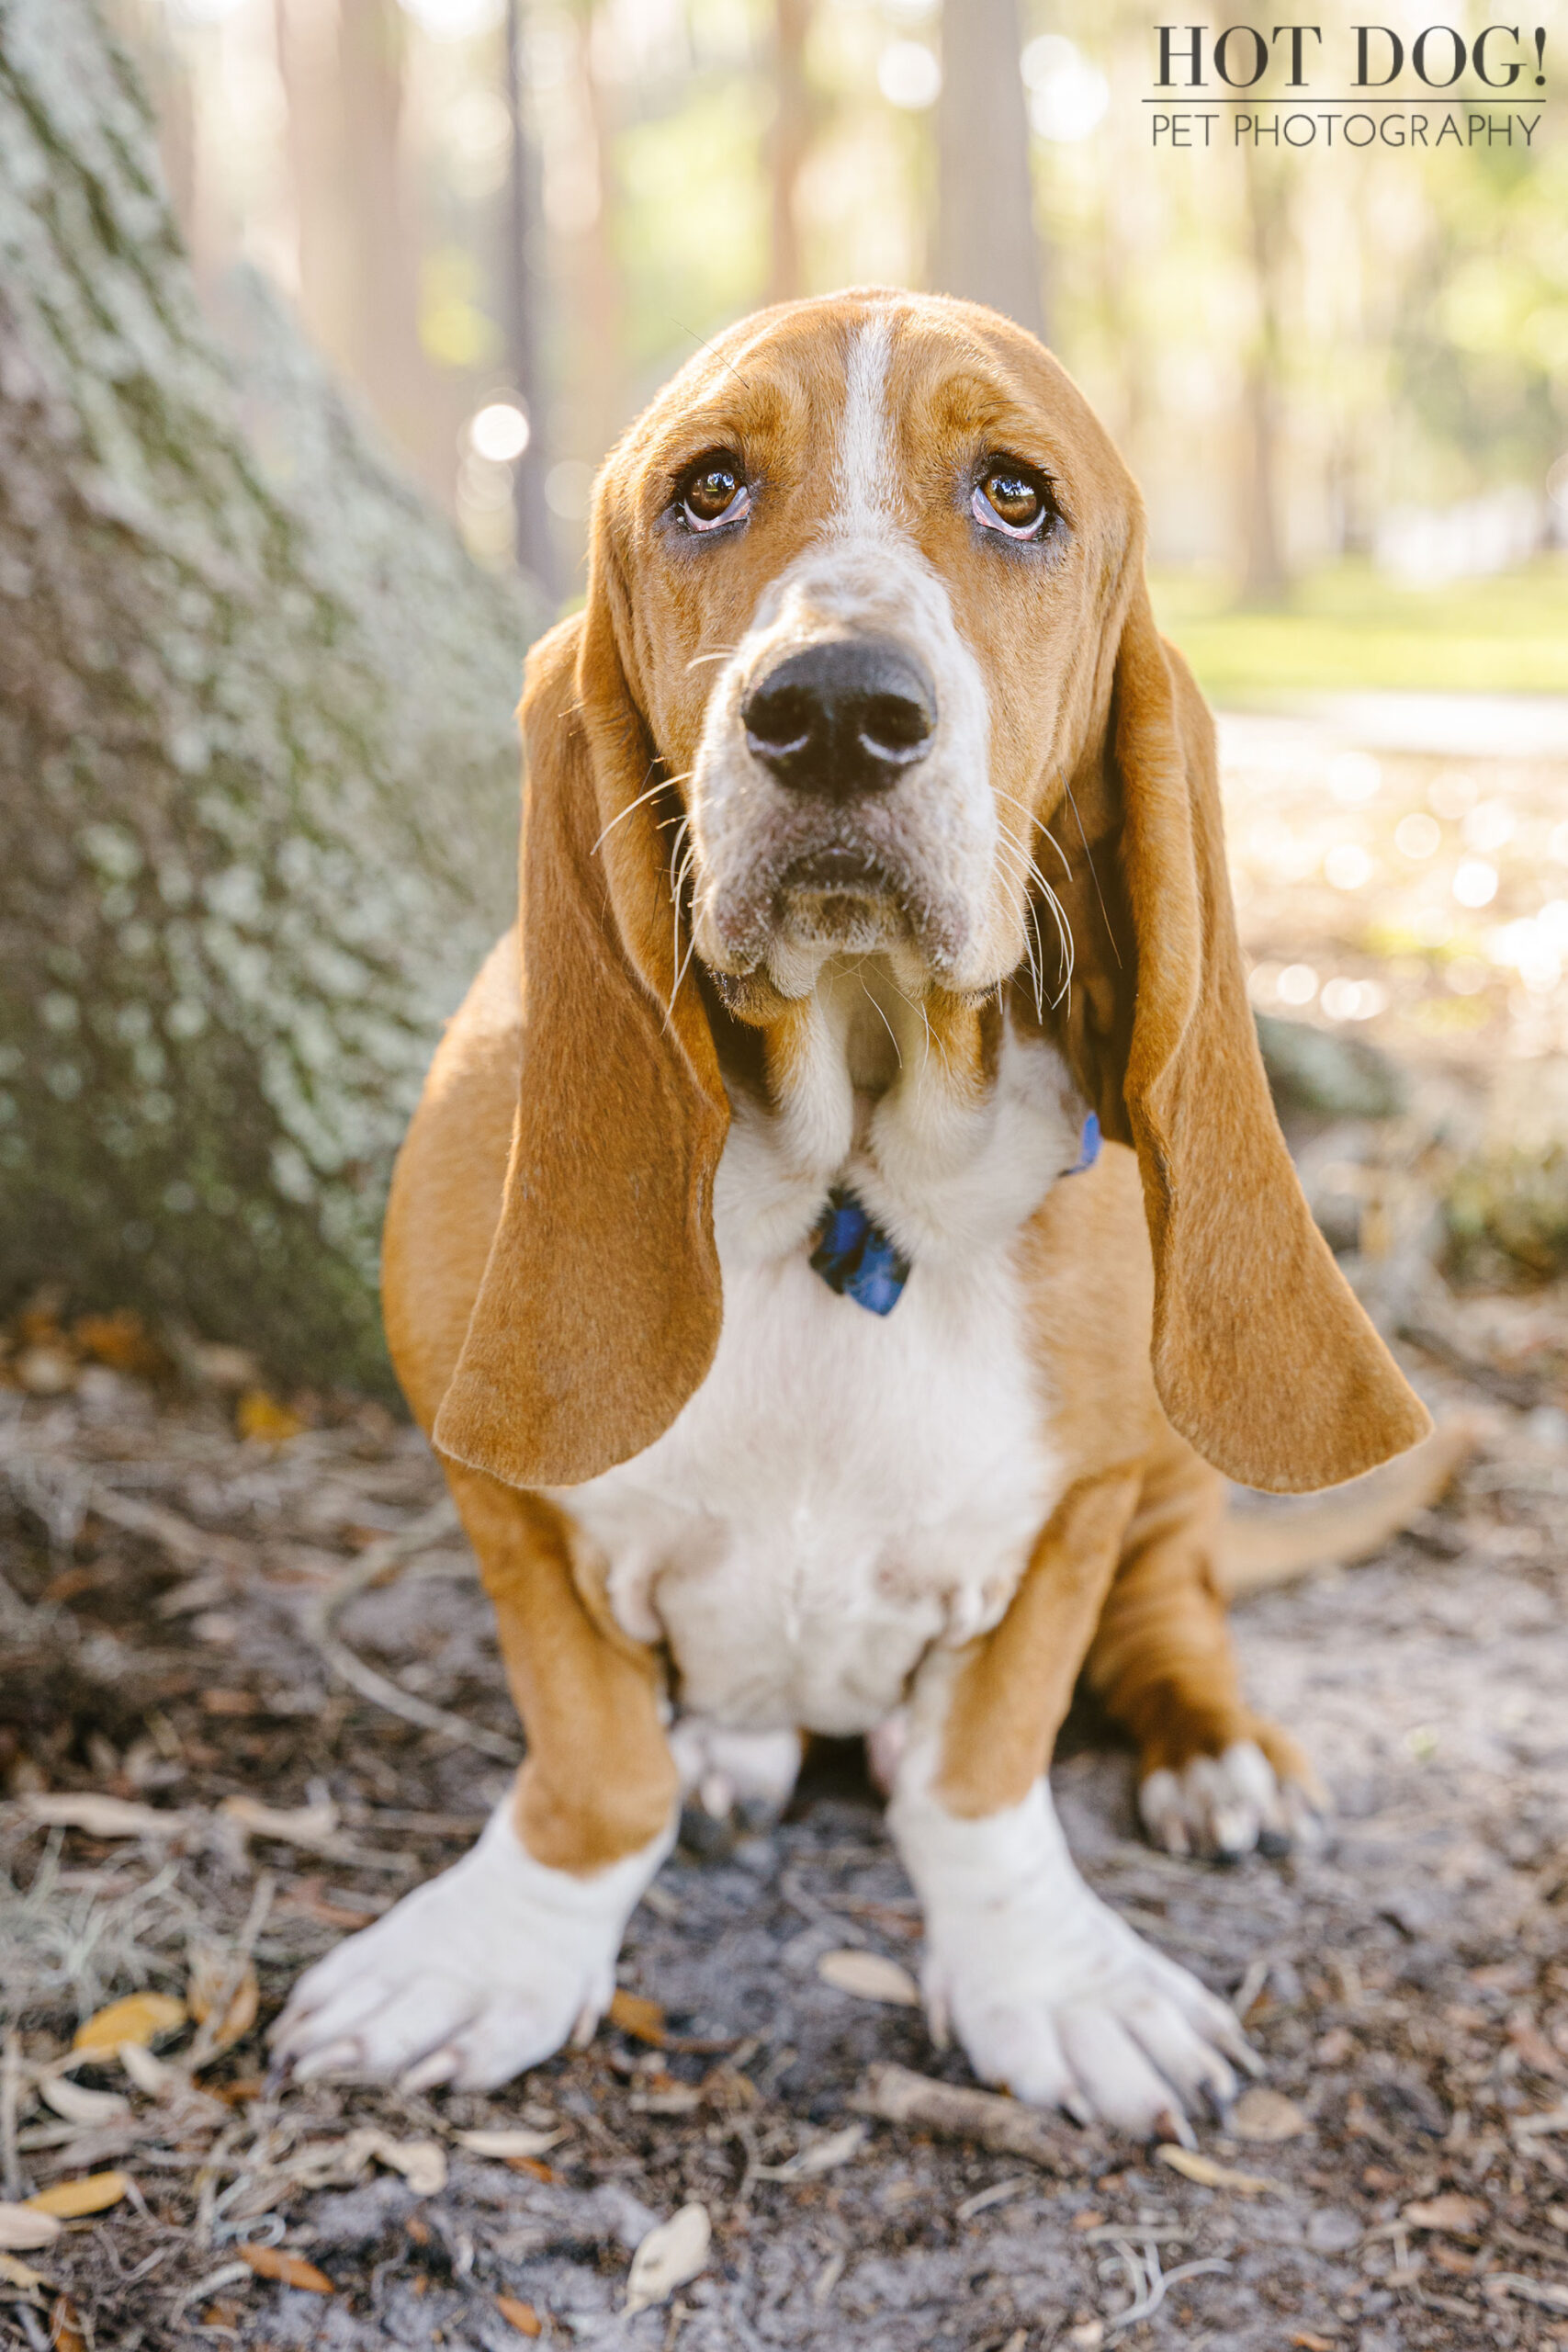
<point>839,867</point>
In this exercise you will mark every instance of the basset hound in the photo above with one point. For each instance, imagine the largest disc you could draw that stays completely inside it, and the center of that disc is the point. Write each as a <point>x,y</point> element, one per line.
<point>845,1235</point>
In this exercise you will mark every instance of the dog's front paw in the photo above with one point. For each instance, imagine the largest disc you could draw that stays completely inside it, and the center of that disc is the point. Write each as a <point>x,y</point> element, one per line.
<point>734,1784</point>
<point>1221,1807</point>
<point>1050,1994</point>
<point>485,1971</point>
<point>1093,2020</point>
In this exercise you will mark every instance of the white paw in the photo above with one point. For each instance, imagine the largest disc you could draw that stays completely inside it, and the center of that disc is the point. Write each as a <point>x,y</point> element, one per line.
<point>735,1784</point>
<point>1049,1993</point>
<point>482,1972</point>
<point>1223,1806</point>
<point>884,1746</point>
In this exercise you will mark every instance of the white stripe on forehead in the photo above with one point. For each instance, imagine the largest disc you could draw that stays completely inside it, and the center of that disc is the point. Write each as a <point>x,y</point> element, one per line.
<point>864,490</point>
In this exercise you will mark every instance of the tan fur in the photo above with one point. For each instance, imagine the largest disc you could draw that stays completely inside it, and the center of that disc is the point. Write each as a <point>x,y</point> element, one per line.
<point>552,1288</point>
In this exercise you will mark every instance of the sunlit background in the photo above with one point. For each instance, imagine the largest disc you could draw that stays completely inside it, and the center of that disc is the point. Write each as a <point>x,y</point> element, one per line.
<point>1342,380</point>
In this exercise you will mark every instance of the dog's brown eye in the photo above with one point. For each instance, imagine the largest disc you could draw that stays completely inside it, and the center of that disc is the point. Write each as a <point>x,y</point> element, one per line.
<point>714,491</point>
<point>1011,499</point>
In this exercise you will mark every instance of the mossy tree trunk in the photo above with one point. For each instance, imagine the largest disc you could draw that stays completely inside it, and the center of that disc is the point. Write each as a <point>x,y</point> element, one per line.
<point>258,761</point>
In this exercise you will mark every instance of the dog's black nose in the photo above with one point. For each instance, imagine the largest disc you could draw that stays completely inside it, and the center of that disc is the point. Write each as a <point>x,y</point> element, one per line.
<point>842,718</point>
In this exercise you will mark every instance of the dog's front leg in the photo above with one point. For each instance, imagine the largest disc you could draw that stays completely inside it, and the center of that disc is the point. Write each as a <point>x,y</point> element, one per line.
<point>1048,1991</point>
<point>492,1966</point>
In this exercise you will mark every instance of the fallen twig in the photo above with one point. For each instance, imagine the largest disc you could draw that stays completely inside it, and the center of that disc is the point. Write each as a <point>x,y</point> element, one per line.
<point>183,1540</point>
<point>10,2086</point>
<point>897,2095</point>
<point>1150,2295</point>
<point>317,1626</point>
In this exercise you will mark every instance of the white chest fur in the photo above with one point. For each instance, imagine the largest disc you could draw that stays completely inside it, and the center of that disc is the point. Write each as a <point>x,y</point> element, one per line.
<point>846,1489</point>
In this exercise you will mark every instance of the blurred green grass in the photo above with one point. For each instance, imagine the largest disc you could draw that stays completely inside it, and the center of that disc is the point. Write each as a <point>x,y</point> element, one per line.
<point>1349,630</point>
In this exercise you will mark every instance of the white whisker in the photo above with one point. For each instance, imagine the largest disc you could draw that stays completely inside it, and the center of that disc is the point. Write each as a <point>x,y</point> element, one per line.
<point>1058,913</point>
<point>651,794</point>
<point>885,1021</point>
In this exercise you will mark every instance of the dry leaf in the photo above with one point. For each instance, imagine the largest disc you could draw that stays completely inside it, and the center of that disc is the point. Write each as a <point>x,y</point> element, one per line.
<point>523,2317</point>
<point>260,1415</point>
<point>78,2105</point>
<point>65,2326</point>
<point>149,2073</point>
<point>18,2274</point>
<point>1265,2115</point>
<point>315,2162</point>
<point>208,1978</point>
<point>1450,2211</point>
<point>669,2254</point>
<point>71,2199</point>
<point>825,2155</point>
<point>272,2262</point>
<point>643,2019</point>
<point>1209,2175</point>
<point>23,2229</point>
<point>423,2163</point>
<point>870,1977</point>
<point>122,1340</point>
<point>45,1370</point>
<point>520,2142</point>
<point>140,2016</point>
<point>106,1816</point>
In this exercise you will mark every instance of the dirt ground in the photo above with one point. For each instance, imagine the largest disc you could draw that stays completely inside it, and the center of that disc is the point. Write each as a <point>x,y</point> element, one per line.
<point>1408,1986</point>
<point>198,1593</point>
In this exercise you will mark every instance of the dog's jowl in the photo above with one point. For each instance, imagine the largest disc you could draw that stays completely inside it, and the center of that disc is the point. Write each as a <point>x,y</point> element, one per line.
<point>845,1236</point>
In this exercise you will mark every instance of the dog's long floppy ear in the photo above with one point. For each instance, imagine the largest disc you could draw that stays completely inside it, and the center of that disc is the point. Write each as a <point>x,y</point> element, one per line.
<point>1262,1357</point>
<point>600,1308</point>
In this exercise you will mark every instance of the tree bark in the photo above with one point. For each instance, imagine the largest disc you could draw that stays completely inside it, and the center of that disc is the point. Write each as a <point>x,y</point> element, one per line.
<point>257,762</point>
<point>985,247</point>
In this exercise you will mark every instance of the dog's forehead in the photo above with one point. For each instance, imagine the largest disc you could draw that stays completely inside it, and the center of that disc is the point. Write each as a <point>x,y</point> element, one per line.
<point>918,370</point>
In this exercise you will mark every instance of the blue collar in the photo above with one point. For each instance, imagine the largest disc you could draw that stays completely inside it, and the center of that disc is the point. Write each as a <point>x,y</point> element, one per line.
<point>858,1260</point>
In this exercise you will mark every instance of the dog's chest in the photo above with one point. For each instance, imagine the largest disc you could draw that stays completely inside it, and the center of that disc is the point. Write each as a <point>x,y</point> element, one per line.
<point>845,1489</point>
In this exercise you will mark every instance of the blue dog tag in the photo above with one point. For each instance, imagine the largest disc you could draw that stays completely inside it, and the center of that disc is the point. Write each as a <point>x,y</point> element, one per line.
<point>859,1260</point>
<point>855,1257</point>
<point>1088,1145</point>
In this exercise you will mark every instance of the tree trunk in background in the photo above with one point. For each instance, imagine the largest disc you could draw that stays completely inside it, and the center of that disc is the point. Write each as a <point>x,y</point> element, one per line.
<point>985,246</point>
<point>305,35</point>
<point>1264,576</point>
<point>787,144</point>
<point>257,763</point>
<point>389,364</point>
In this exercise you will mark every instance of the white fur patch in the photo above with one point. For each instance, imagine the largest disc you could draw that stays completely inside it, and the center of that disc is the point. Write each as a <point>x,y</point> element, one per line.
<point>866,493</point>
<point>484,1971</point>
<point>1047,1990</point>
<point>846,1490</point>
<point>729,1771</point>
